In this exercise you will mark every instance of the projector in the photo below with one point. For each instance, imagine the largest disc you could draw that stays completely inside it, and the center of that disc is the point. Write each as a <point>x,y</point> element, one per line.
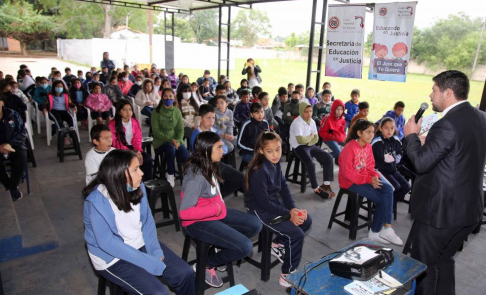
<point>361,262</point>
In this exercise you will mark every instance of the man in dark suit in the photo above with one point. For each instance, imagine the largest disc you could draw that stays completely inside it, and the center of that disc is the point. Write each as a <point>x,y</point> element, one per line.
<point>447,194</point>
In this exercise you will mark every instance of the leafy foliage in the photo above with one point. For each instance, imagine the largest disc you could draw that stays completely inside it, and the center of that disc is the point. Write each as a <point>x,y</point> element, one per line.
<point>81,20</point>
<point>449,43</point>
<point>182,28</point>
<point>18,20</point>
<point>203,24</point>
<point>251,24</point>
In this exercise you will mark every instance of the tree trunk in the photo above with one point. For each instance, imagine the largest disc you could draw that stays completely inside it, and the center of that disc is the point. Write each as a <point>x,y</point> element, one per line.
<point>108,17</point>
<point>23,48</point>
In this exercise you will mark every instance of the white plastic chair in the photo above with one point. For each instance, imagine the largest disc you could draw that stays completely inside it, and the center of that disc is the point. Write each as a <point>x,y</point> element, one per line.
<point>28,126</point>
<point>91,122</point>
<point>136,109</point>
<point>38,117</point>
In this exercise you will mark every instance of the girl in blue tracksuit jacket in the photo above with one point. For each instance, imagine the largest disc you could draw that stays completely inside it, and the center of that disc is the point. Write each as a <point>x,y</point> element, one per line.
<point>267,196</point>
<point>120,232</point>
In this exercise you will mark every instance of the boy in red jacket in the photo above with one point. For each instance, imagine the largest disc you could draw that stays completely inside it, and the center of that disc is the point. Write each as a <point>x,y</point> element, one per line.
<point>332,129</point>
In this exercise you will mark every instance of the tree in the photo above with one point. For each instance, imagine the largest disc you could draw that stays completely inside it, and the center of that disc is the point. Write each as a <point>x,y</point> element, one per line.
<point>203,24</point>
<point>81,20</point>
<point>182,27</point>
<point>19,21</point>
<point>451,43</point>
<point>249,25</point>
<point>291,41</point>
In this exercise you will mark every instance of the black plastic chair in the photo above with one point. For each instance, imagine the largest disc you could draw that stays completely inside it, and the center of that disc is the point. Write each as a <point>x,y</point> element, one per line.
<point>202,252</point>
<point>351,213</point>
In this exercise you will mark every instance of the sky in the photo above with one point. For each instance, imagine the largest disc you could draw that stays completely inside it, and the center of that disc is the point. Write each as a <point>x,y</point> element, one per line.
<point>295,16</point>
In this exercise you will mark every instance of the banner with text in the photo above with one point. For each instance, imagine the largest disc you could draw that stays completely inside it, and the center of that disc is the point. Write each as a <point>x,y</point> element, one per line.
<point>344,45</point>
<point>392,40</point>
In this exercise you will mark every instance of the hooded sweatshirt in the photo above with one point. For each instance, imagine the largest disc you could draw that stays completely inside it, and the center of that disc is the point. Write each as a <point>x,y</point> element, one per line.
<point>312,100</point>
<point>332,128</point>
<point>303,132</point>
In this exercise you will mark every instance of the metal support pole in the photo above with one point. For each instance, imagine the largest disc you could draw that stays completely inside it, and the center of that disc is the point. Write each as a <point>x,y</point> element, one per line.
<point>229,40</point>
<point>479,47</point>
<point>311,43</point>
<point>219,41</point>
<point>321,45</point>
<point>150,34</point>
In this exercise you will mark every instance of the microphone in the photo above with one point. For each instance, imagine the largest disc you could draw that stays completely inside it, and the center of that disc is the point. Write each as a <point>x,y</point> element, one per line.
<point>423,107</point>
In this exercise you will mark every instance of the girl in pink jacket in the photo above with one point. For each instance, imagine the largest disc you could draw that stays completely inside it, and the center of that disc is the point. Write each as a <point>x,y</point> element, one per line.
<point>127,135</point>
<point>99,104</point>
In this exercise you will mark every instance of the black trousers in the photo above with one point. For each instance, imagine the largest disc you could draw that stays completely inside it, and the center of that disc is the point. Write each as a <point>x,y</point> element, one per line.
<point>62,116</point>
<point>307,153</point>
<point>232,179</point>
<point>436,248</point>
<point>399,183</point>
<point>291,236</point>
<point>18,160</point>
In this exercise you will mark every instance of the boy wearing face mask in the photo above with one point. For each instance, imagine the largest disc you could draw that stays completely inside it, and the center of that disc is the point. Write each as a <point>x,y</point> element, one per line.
<point>136,87</point>
<point>291,110</point>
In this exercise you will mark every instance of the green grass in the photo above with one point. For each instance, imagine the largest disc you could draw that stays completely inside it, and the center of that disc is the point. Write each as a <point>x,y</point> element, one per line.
<point>380,95</point>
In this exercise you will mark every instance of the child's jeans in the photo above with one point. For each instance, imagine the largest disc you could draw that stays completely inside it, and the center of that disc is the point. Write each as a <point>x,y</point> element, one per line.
<point>232,234</point>
<point>170,153</point>
<point>383,198</point>
<point>335,148</point>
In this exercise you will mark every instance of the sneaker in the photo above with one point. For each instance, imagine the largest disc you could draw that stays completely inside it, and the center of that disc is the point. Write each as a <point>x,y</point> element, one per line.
<point>221,268</point>
<point>66,141</point>
<point>389,234</point>
<point>376,237</point>
<point>170,179</point>
<point>212,278</point>
<point>278,250</point>
<point>328,189</point>
<point>283,282</point>
<point>16,194</point>
<point>321,193</point>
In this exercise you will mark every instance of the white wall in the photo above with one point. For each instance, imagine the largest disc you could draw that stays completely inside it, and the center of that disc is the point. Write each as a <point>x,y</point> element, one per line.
<point>186,55</point>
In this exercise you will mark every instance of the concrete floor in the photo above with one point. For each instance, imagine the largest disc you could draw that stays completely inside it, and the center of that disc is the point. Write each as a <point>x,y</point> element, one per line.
<point>67,269</point>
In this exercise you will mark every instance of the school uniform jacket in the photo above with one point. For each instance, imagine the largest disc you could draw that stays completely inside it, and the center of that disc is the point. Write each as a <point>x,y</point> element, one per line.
<point>269,195</point>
